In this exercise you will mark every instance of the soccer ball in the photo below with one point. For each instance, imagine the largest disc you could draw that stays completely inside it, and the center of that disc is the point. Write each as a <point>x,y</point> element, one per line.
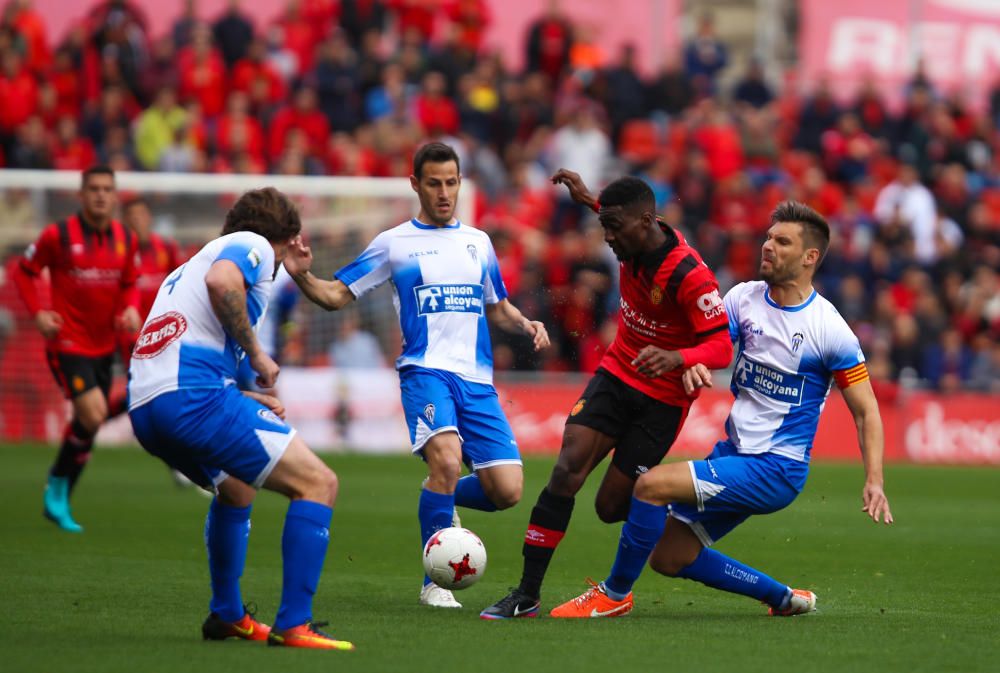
<point>454,558</point>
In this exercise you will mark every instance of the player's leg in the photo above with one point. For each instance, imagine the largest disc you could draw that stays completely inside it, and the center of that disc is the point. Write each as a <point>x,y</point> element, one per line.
<point>84,381</point>
<point>642,447</point>
<point>429,407</point>
<point>312,488</point>
<point>489,449</point>
<point>643,529</point>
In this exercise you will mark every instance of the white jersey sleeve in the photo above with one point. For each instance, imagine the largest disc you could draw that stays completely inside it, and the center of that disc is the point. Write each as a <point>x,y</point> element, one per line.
<point>182,344</point>
<point>370,269</point>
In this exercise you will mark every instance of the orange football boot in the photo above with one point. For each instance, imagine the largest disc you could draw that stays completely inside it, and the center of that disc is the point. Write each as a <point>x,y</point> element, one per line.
<point>802,601</point>
<point>594,603</point>
<point>246,628</point>
<point>308,635</point>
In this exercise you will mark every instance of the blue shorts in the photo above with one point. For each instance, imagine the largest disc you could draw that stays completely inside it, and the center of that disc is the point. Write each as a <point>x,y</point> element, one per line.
<point>733,486</point>
<point>436,401</point>
<point>211,433</point>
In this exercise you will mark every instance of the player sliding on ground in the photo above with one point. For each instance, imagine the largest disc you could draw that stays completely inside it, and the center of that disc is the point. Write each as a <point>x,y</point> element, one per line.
<point>186,409</point>
<point>792,345</point>
<point>447,289</point>
<point>671,317</point>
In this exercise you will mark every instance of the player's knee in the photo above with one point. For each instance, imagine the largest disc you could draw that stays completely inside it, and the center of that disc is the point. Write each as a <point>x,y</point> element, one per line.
<point>610,511</point>
<point>670,566</point>
<point>445,470</point>
<point>646,488</point>
<point>325,486</point>
<point>507,495</point>
<point>565,480</point>
<point>92,416</point>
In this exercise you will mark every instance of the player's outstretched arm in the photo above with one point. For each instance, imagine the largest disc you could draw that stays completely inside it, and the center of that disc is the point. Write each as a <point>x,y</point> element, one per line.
<point>228,295</point>
<point>577,189</point>
<point>329,294</point>
<point>507,317</point>
<point>861,401</point>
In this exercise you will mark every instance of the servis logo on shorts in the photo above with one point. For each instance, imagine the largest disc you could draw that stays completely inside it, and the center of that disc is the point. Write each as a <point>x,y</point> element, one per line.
<point>159,333</point>
<point>449,298</point>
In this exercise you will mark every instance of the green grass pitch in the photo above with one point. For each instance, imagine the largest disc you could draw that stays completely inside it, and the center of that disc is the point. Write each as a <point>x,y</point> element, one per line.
<point>130,593</point>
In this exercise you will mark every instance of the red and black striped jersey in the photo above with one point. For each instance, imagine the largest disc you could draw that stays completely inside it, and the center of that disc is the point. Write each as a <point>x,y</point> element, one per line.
<point>669,299</point>
<point>92,275</point>
<point>155,259</point>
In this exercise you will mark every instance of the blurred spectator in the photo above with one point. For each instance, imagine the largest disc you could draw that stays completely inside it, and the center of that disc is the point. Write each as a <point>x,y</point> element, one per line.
<point>156,127</point>
<point>30,25</point>
<point>471,18</point>
<point>671,92</point>
<point>70,152</point>
<point>435,112</point>
<point>183,27</point>
<point>908,201</point>
<point>752,89</point>
<point>947,364</point>
<point>416,17</point>
<point>337,82</point>
<point>550,38</point>
<point>705,56</point>
<point>202,73</point>
<point>625,97</point>
<point>355,348</point>
<point>818,114</point>
<point>255,68</point>
<point>233,33</point>
<point>582,144</point>
<point>118,30</point>
<point>302,115</point>
<point>19,93</point>
<point>359,18</point>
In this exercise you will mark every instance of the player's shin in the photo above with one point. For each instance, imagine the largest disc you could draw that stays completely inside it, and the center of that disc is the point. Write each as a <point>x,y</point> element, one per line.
<point>303,550</point>
<point>74,453</point>
<point>722,572</point>
<point>640,534</point>
<point>227,531</point>
<point>549,521</point>
<point>435,512</point>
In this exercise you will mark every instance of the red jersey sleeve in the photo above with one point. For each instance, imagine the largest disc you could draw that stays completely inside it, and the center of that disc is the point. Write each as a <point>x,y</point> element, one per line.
<point>701,301</point>
<point>42,253</point>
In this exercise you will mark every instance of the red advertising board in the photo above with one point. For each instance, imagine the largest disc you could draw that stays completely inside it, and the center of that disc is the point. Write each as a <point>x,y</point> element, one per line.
<point>920,428</point>
<point>849,40</point>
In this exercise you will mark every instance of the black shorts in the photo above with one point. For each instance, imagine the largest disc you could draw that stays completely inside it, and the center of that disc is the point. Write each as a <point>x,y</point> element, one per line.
<point>76,374</point>
<point>644,428</point>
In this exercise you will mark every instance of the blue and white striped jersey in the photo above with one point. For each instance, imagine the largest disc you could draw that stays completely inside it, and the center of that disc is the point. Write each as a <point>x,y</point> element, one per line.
<point>442,279</point>
<point>785,364</point>
<point>183,345</point>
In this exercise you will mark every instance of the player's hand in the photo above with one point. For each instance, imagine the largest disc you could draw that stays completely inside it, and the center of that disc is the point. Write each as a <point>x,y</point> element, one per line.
<point>49,323</point>
<point>577,190</point>
<point>653,361</point>
<point>129,320</point>
<point>698,376</point>
<point>269,401</point>
<point>876,505</point>
<point>266,368</point>
<point>536,330</point>
<point>299,259</point>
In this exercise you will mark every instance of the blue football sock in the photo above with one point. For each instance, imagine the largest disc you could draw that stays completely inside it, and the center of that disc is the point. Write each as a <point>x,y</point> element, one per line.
<point>721,572</point>
<point>640,534</point>
<point>469,493</point>
<point>227,530</point>
<point>434,512</point>
<point>303,549</point>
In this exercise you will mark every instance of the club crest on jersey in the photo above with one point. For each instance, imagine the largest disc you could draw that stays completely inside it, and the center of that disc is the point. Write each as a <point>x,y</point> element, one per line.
<point>429,413</point>
<point>797,340</point>
<point>449,298</point>
<point>578,407</point>
<point>30,252</point>
<point>269,416</point>
<point>255,257</point>
<point>159,333</point>
<point>473,252</point>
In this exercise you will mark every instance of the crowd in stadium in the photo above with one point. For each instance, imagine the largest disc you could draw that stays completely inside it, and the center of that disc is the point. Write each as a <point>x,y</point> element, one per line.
<point>351,87</point>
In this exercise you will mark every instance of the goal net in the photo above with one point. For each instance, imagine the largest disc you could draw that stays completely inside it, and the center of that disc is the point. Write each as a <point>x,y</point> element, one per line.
<point>347,405</point>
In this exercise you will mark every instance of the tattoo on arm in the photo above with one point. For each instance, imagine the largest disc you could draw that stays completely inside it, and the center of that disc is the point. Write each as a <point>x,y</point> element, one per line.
<point>231,308</point>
